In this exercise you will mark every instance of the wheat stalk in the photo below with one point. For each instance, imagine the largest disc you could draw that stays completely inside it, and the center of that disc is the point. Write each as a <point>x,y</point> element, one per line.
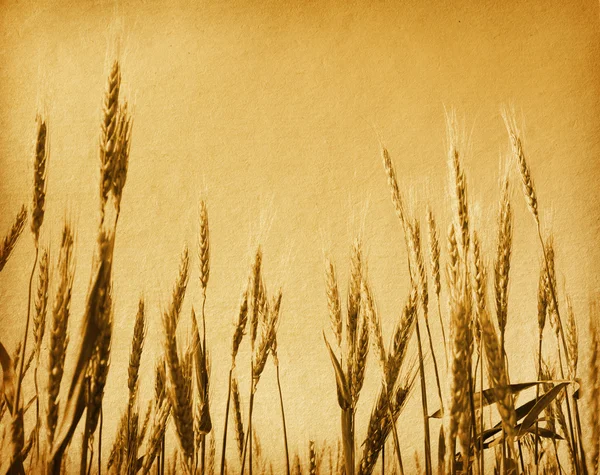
<point>502,262</point>
<point>135,356</point>
<point>434,255</point>
<point>498,376</point>
<point>10,240</point>
<point>39,178</point>
<point>238,335</point>
<point>39,328</point>
<point>179,389</point>
<point>59,338</point>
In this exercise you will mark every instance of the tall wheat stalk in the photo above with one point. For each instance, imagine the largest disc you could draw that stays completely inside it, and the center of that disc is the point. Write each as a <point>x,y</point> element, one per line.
<point>37,218</point>
<point>532,203</point>
<point>238,335</point>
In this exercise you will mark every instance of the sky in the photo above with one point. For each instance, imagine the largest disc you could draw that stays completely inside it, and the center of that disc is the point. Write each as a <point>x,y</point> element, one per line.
<point>274,113</point>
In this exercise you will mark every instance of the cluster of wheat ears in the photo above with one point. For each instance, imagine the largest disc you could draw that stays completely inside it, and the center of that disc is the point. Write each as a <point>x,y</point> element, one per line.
<point>477,407</point>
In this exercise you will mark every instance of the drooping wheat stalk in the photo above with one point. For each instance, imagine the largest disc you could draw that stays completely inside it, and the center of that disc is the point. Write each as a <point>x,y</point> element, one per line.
<point>10,240</point>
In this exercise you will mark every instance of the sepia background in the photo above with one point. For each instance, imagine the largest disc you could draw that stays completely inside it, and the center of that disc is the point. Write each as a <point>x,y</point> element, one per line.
<point>273,113</point>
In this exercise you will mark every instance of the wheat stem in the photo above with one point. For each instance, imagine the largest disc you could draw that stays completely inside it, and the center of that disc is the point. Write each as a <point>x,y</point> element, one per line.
<point>24,344</point>
<point>427,440</point>
<point>285,438</point>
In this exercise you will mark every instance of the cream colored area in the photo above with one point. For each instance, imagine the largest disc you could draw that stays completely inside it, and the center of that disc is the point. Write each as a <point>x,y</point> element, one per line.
<point>273,111</point>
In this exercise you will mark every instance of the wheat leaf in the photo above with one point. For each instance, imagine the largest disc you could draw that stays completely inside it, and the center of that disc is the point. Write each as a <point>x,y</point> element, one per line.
<point>344,398</point>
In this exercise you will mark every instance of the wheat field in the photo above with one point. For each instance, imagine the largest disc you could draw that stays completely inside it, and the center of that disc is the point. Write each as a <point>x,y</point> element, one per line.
<point>473,365</point>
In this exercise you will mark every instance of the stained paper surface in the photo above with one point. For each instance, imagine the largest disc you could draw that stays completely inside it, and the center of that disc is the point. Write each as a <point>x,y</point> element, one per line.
<point>274,113</point>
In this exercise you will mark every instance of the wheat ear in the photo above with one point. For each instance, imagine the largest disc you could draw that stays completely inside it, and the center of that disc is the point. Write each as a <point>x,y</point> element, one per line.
<point>59,337</point>
<point>10,240</point>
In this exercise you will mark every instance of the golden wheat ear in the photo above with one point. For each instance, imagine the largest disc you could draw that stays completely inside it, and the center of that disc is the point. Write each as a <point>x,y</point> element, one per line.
<point>10,240</point>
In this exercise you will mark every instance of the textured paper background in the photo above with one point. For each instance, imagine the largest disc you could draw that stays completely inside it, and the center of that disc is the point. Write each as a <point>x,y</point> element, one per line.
<point>272,111</point>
